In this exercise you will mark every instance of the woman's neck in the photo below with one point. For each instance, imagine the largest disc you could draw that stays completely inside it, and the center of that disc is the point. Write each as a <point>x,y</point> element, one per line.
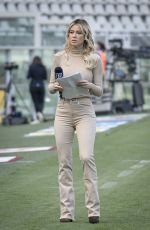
<point>76,50</point>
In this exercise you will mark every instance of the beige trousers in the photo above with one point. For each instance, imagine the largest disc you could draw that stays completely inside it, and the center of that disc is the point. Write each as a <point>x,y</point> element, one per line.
<point>79,116</point>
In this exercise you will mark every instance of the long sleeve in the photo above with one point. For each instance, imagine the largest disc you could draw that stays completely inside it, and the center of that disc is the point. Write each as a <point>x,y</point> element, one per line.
<point>44,73</point>
<point>96,87</point>
<point>29,73</point>
<point>37,72</point>
<point>76,64</point>
<point>55,63</point>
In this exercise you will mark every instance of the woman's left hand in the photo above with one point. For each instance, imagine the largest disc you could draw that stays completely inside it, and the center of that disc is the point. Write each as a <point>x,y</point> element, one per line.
<point>84,83</point>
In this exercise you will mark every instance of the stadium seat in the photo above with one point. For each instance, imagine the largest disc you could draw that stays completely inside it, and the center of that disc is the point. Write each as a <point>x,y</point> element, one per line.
<point>139,24</point>
<point>144,9</point>
<point>55,19</point>
<point>116,24</point>
<point>44,8</point>
<point>67,19</point>
<point>28,1</point>
<point>144,1</point>
<point>84,1</point>
<point>109,2</point>
<point>5,1</point>
<point>55,9</point>
<point>101,20</point>
<point>147,21</point>
<point>44,18</point>
<point>104,25</point>
<point>133,10</point>
<point>122,2</point>
<point>93,23</point>
<point>66,9</point>
<point>110,9</point>
<point>44,1</point>
<point>11,7</point>
<point>88,9</point>
<point>2,8</point>
<point>136,2</point>
<point>77,9</point>
<point>33,7</point>
<point>121,9</point>
<point>98,9</point>
<point>22,7</point>
<point>127,24</point>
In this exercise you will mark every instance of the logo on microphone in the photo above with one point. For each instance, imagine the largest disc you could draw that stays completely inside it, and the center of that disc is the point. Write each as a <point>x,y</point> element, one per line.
<point>58,72</point>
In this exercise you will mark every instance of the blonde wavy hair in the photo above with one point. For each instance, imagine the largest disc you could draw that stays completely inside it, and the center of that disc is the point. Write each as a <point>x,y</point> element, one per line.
<point>88,45</point>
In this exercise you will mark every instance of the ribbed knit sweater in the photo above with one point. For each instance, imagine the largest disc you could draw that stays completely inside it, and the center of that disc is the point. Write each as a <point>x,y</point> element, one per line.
<point>73,63</point>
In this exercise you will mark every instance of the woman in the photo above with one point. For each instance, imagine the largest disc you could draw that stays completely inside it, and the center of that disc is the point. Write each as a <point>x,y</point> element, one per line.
<point>77,114</point>
<point>37,73</point>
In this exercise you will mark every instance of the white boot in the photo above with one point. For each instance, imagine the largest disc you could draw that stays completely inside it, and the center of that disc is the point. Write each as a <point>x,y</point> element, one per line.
<point>40,116</point>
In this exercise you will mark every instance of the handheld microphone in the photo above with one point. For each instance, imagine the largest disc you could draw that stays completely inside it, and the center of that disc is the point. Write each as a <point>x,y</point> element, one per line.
<point>59,74</point>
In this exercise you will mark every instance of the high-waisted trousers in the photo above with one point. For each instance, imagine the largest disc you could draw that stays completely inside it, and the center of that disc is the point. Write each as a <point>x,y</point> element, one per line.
<point>76,115</point>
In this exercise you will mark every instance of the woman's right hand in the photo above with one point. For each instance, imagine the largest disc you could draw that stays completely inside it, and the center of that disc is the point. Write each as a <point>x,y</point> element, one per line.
<point>57,87</point>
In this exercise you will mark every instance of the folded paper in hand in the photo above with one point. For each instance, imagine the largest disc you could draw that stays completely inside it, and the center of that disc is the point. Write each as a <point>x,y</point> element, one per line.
<point>70,88</point>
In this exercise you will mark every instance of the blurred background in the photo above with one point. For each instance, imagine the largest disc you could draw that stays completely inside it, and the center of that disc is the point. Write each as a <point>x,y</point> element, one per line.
<point>38,27</point>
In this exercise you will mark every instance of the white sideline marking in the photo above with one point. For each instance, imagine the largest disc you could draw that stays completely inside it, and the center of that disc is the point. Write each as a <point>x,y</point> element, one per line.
<point>130,160</point>
<point>7,159</point>
<point>108,185</point>
<point>25,149</point>
<point>145,162</point>
<point>140,164</point>
<point>136,166</point>
<point>125,173</point>
<point>25,161</point>
<point>103,123</point>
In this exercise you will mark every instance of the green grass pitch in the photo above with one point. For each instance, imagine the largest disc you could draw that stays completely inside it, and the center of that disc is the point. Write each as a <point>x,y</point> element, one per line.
<point>29,196</point>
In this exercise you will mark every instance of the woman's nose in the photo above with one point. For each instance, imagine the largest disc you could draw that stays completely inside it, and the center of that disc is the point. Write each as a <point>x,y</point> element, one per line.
<point>74,34</point>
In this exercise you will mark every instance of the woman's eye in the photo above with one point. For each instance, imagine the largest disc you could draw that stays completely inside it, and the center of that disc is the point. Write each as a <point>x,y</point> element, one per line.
<point>76,32</point>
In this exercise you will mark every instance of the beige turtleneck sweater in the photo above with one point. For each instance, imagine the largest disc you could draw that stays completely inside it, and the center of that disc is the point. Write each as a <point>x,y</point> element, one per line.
<point>76,64</point>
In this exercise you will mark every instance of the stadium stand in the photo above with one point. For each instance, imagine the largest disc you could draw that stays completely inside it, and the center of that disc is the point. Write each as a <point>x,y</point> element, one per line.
<point>133,9</point>
<point>77,9</point>
<point>98,9</point>
<point>38,26</point>
<point>144,9</point>
<point>121,9</point>
<point>109,16</point>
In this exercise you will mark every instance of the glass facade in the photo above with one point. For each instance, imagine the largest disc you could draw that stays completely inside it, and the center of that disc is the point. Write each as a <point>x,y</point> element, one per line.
<point>17,31</point>
<point>52,35</point>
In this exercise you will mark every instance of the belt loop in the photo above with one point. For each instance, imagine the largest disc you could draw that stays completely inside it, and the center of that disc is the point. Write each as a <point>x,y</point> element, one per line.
<point>62,100</point>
